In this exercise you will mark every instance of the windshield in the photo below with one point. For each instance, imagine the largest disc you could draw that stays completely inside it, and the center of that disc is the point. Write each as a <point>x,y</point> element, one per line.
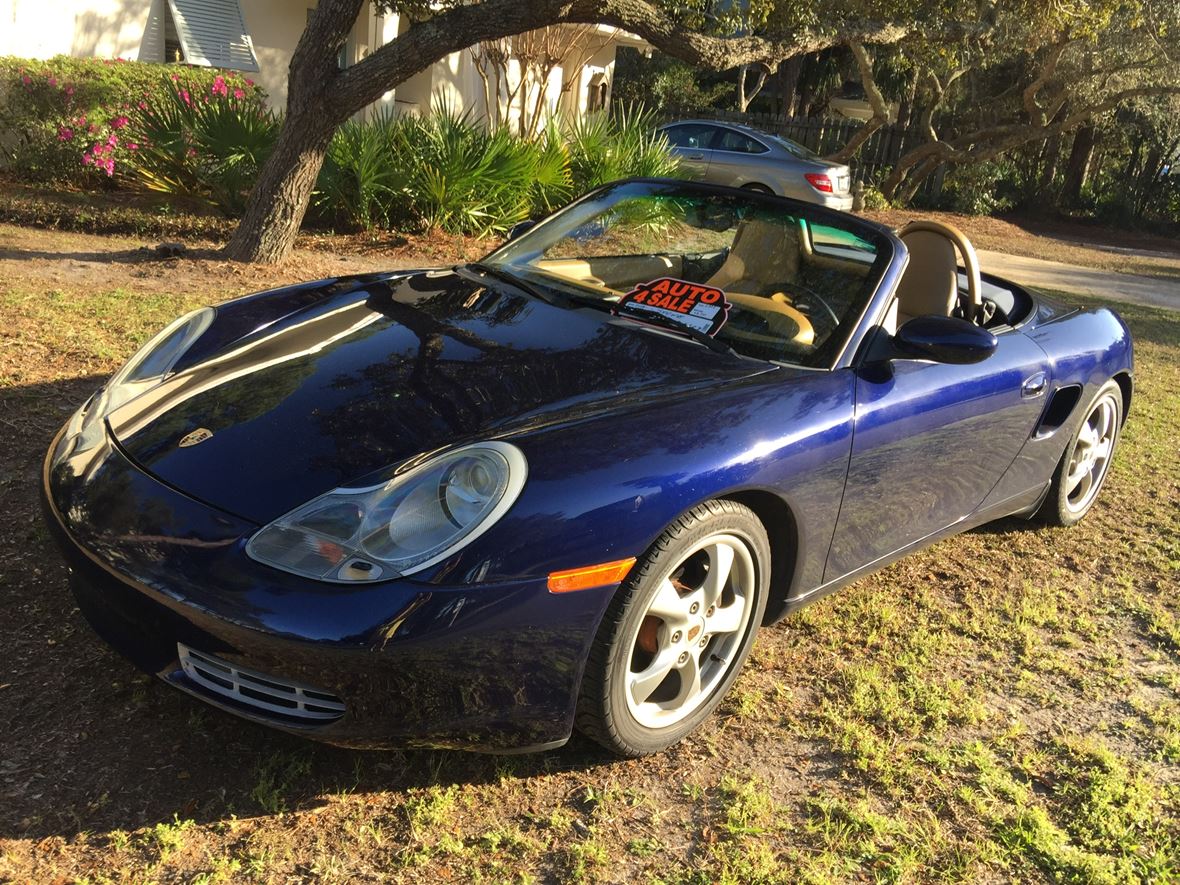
<point>768,278</point>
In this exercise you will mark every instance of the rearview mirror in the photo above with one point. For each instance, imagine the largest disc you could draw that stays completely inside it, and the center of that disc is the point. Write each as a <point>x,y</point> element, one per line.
<point>944,340</point>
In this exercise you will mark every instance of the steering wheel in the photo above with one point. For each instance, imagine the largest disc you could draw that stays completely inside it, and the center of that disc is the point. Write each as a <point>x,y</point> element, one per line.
<point>782,321</point>
<point>781,298</point>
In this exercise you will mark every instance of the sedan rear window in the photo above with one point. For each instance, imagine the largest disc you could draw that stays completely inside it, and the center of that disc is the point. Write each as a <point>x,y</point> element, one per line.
<point>738,143</point>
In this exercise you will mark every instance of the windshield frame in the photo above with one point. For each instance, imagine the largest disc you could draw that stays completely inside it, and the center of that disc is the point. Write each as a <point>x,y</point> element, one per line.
<point>885,269</point>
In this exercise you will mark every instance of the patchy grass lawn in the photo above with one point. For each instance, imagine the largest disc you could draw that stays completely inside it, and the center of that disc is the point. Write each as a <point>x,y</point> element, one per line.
<point>1002,707</point>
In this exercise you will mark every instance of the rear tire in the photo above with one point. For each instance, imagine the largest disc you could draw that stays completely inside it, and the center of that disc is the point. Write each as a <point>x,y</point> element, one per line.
<point>1086,461</point>
<point>677,632</point>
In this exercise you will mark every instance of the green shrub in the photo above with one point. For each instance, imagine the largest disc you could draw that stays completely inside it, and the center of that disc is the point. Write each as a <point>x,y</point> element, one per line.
<point>54,113</point>
<point>445,170</point>
<point>874,200</point>
<point>360,179</point>
<point>460,178</point>
<point>985,188</point>
<point>605,146</point>
<point>202,142</point>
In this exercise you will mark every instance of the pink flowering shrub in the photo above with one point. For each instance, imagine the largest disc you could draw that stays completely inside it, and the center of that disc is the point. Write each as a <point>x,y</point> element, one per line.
<point>68,120</point>
<point>201,140</point>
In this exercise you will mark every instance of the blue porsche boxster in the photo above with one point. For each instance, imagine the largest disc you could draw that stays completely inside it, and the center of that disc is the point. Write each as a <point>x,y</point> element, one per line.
<point>564,486</point>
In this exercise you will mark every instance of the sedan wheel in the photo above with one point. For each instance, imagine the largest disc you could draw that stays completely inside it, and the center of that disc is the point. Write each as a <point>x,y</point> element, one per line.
<point>1086,461</point>
<point>678,631</point>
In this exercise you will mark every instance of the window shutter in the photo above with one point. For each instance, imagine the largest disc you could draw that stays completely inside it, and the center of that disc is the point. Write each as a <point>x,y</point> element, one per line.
<point>213,32</point>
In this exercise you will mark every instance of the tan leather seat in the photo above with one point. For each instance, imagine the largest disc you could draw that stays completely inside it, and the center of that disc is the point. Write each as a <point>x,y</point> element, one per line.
<point>930,283</point>
<point>764,255</point>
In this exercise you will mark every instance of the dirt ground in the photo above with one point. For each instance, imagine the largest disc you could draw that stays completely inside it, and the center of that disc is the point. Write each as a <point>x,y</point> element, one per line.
<point>1002,707</point>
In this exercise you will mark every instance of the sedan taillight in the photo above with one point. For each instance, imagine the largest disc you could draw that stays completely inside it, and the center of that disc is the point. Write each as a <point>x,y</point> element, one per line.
<point>819,181</point>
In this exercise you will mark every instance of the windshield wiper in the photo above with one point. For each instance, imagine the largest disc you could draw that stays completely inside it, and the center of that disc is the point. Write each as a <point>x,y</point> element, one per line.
<point>655,319</point>
<point>504,276</point>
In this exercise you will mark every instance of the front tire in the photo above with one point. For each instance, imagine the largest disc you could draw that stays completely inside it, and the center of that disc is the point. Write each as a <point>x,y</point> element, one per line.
<point>677,632</point>
<point>1086,462</point>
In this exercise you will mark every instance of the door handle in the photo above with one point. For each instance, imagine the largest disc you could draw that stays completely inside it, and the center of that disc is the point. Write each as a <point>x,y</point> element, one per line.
<point>694,156</point>
<point>1034,385</point>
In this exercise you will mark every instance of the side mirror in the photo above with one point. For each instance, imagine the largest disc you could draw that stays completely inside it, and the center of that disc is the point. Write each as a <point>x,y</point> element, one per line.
<point>944,340</point>
<point>519,228</point>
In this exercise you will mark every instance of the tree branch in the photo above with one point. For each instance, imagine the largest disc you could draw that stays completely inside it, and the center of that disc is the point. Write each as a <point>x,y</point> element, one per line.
<point>1036,114</point>
<point>876,101</point>
<point>461,26</point>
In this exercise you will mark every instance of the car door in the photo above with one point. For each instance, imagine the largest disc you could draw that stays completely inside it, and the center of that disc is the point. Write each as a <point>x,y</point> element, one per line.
<point>737,159</point>
<point>930,442</point>
<point>691,144</point>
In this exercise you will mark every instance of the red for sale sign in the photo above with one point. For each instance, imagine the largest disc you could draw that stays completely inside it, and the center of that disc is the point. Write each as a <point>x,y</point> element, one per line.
<point>699,307</point>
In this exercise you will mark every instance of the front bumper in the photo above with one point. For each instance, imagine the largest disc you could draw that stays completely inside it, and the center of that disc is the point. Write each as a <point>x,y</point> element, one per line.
<point>484,667</point>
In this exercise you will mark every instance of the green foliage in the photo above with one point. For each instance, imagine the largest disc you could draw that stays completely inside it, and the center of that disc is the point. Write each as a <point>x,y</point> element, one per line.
<point>461,178</point>
<point>58,116</point>
<point>667,84</point>
<point>204,143</point>
<point>985,188</point>
<point>874,200</point>
<point>359,178</point>
<point>607,146</point>
<point>446,171</point>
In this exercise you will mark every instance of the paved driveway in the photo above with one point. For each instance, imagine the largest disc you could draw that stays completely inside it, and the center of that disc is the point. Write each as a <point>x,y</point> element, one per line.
<point>1101,283</point>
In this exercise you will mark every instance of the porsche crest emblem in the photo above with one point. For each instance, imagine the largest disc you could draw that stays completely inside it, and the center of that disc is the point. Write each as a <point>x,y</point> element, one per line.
<point>197,436</point>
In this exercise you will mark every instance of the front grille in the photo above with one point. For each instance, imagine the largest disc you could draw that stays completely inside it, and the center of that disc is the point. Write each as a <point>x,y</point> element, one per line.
<point>259,690</point>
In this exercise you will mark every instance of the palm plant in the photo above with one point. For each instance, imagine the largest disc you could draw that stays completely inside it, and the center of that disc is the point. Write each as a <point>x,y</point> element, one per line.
<point>605,146</point>
<point>209,146</point>
<point>360,180</point>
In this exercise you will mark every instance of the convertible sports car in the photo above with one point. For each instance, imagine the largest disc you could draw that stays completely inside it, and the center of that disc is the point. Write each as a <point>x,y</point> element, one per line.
<point>564,486</point>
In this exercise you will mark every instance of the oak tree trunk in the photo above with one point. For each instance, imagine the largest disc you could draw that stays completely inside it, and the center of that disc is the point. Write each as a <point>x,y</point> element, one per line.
<point>1078,165</point>
<point>271,221</point>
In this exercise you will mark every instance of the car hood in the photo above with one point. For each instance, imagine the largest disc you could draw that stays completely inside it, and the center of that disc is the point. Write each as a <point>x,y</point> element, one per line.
<point>357,377</point>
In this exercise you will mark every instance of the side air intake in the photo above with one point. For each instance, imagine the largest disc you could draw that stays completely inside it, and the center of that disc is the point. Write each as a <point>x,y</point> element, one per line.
<point>1060,406</point>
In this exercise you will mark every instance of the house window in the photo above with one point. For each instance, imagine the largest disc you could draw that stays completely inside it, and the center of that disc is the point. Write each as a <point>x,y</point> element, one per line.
<point>596,93</point>
<point>173,51</point>
<point>211,32</point>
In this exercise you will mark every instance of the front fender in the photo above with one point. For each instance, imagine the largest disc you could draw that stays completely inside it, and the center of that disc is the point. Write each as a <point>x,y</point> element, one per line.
<point>604,489</point>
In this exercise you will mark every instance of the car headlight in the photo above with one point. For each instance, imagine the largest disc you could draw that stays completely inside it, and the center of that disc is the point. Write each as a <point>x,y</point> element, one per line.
<point>150,365</point>
<point>400,527</point>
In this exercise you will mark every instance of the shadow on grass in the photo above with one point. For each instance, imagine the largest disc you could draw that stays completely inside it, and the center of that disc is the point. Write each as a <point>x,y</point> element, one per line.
<point>142,255</point>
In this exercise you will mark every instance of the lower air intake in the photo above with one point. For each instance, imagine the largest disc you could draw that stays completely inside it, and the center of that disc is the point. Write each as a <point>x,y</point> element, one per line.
<point>259,690</point>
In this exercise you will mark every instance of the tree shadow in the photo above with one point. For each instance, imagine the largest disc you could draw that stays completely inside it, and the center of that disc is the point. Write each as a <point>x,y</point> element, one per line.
<point>142,255</point>
<point>94,745</point>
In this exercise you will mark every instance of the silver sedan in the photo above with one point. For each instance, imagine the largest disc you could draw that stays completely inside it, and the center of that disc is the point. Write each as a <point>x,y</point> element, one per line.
<point>739,156</point>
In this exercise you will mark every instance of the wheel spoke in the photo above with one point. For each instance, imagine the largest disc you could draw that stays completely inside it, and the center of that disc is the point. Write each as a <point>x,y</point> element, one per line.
<point>667,604</point>
<point>720,565</point>
<point>644,683</point>
<point>1083,486</point>
<point>1106,421</point>
<point>1077,473</point>
<point>690,681</point>
<point>729,618</point>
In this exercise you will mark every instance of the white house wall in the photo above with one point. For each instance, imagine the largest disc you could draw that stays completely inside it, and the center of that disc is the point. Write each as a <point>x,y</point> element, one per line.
<point>45,28</point>
<point>134,29</point>
<point>275,27</point>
